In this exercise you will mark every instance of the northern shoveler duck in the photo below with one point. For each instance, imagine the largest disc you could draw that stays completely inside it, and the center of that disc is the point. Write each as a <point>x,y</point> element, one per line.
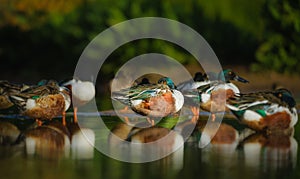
<point>43,101</point>
<point>270,111</point>
<point>82,93</point>
<point>213,96</point>
<point>48,141</point>
<point>153,100</point>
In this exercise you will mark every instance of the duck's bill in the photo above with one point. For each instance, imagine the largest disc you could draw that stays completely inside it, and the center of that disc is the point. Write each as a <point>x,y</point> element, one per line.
<point>240,79</point>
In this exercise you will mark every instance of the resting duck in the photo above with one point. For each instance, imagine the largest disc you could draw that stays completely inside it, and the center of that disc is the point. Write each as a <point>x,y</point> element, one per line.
<point>213,96</point>
<point>153,100</point>
<point>43,101</point>
<point>270,111</point>
<point>82,93</point>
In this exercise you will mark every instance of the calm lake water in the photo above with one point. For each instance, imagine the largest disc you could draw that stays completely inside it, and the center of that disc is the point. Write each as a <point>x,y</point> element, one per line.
<point>252,157</point>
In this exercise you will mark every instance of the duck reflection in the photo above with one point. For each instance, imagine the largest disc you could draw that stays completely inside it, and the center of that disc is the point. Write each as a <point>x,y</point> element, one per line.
<point>147,144</point>
<point>218,143</point>
<point>270,151</point>
<point>220,137</point>
<point>56,141</point>
<point>82,142</point>
<point>48,141</point>
<point>9,133</point>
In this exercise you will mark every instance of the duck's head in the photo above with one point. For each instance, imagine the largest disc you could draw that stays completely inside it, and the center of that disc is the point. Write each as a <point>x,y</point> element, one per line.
<point>48,83</point>
<point>167,81</point>
<point>285,96</point>
<point>200,77</point>
<point>230,75</point>
<point>144,81</point>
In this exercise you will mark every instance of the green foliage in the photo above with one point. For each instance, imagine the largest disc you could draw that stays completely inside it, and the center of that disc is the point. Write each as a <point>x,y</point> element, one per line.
<point>279,50</point>
<point>53,33</point>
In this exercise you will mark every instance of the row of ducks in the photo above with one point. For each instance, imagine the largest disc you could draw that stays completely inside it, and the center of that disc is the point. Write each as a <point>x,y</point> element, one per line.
<point>268,111</point>
<point>47,99</point>
<point>44,101</point>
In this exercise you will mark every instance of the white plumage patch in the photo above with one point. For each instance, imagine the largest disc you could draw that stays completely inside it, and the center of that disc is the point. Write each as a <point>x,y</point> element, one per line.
<point>30,103</point>
<point>136,102</point>
<point>251,116</point>
<point>179,100</point>
<point>205,97</point>
<point>178,142</point>
<point>84,91</point>
<point>232,87</point>
<point>83,144</point>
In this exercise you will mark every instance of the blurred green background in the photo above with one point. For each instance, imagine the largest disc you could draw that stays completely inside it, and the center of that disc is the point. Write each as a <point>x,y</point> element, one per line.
<point>44,39</point>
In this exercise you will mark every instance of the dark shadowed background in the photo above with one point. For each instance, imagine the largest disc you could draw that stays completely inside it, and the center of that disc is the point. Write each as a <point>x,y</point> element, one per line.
<point>258,39</point>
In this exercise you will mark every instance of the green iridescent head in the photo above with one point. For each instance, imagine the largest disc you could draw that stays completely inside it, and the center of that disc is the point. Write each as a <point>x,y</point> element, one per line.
<point>167,81</point>
<point>229,75</point>
<point>285,96</point>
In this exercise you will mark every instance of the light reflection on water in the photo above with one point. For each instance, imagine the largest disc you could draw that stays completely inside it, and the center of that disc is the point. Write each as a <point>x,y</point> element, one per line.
<point>248,155</point>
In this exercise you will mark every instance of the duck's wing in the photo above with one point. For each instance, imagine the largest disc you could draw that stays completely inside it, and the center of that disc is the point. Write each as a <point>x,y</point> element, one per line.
<point>244,101</point>
<point>33,92</point>
<point>206,87</point>
<point>7,88</point>
<point>186,85</point>
<point>139,92</point>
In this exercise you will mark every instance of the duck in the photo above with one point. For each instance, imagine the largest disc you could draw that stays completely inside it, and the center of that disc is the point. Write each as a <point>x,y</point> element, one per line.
<point>43,101</point>
<point>266,111</point>
<point>213,96</point>
<point>82,92</point>
<point>152,100</point>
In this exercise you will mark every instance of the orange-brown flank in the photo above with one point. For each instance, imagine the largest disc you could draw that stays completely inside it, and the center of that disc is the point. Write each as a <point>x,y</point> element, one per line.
<point>159,106</point>
<point>47,107</point>
<point>279,120</point>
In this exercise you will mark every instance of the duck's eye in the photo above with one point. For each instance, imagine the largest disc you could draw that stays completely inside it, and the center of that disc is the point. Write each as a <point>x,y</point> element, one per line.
<point>280,95</point>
